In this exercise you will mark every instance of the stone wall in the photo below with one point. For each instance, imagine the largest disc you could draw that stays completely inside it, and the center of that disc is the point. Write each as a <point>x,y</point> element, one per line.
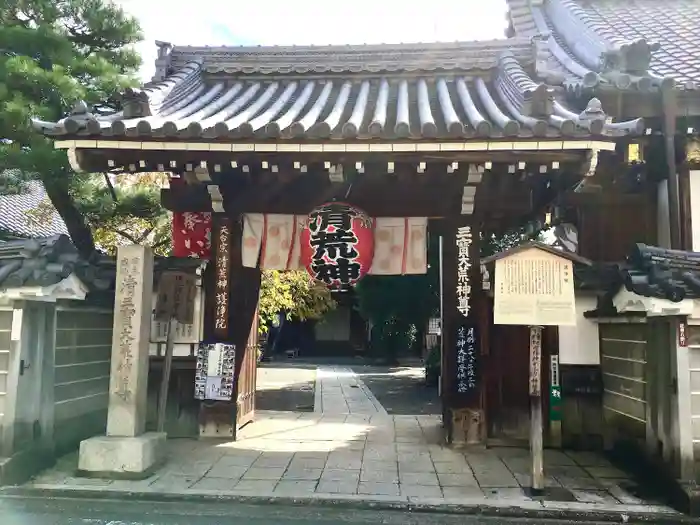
<point>81,378</point>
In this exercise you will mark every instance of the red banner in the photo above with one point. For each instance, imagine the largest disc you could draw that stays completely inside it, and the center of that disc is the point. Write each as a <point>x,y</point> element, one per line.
<point>192,235</point>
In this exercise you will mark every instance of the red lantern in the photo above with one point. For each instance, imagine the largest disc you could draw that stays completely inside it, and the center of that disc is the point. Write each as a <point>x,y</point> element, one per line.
<point>337,246</point>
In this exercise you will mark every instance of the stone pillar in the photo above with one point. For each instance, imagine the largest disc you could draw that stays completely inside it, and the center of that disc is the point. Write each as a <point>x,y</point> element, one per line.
<point>126,451</point>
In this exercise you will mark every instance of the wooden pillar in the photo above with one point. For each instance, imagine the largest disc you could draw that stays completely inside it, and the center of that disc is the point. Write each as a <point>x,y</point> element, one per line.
<point>223,418</point>
<point>462,382</point>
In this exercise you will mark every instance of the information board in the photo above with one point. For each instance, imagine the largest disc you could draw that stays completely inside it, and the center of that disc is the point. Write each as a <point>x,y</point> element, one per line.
<point>534,288</point>
<point>214,374</point>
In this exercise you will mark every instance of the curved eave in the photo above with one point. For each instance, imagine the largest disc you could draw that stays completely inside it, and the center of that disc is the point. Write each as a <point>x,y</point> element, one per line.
<point>575,51</point>
<point>186,106</point>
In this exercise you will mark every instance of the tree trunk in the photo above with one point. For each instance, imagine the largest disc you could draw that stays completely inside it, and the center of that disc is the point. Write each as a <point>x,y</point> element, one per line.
<point>79,231</point>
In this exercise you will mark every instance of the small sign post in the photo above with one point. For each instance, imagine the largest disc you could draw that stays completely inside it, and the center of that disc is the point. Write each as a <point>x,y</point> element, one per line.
<point>534,287</point>
<point>174,304</point>
<point>554,402</point>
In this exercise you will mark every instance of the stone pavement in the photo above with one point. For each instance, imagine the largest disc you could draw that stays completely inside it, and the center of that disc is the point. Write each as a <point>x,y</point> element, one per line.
<point>350,451</point>
<point>370,458</point>
<point>340,391</point>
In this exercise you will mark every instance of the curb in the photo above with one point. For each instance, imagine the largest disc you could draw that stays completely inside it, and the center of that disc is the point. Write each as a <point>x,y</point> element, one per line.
<point>502,508</point>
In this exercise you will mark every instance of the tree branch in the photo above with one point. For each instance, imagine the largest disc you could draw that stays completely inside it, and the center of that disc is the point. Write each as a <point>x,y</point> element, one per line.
<point>126,235</point>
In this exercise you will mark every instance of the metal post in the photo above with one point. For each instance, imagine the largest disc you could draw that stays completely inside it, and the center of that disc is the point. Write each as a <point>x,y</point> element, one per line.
<point>165,378</point>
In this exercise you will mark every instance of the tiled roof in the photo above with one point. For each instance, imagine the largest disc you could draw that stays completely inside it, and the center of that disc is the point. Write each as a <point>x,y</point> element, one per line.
<point>673,26</point>
<point>16,215</point>
<point>627,43</point>
<point>379,58</point>
<point>47,261</point>
<point>434,100</point>
<point>649,271</point>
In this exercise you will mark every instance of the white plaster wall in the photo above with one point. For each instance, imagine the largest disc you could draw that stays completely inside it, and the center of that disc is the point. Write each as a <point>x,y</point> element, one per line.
<point>580,344</point>
<point>663,216</point>
<point>695,208</point>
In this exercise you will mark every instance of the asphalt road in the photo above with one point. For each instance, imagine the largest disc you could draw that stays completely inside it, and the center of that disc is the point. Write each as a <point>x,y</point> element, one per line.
<point>50,511</point>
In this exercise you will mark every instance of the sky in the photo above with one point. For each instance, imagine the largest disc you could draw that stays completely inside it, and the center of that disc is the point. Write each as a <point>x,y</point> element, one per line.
<point>315,22</point>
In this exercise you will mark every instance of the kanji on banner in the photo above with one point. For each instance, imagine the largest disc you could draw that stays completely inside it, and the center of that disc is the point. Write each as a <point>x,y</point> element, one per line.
<point>192,234</point>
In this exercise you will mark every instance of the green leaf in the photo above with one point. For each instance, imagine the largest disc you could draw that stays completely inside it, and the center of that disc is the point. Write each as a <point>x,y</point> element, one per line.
<point>54,53</point>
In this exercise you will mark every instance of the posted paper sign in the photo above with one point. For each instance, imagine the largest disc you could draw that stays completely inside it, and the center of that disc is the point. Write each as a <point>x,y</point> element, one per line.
<point>534,288</point>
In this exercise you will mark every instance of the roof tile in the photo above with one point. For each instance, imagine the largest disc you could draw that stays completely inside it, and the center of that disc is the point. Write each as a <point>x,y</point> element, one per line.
<point>16,217</point>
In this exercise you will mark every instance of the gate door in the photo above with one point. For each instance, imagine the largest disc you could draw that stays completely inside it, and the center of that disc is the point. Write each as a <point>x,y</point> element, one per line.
<point>247,360</point>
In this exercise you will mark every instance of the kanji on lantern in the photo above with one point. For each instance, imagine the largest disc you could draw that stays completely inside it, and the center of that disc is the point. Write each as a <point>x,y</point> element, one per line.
<point>337,246</point>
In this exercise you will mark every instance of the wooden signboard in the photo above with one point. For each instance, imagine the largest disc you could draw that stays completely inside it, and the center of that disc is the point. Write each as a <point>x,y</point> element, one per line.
<point>534,287</point>
<point>176,295</point>
<point>174,303</point>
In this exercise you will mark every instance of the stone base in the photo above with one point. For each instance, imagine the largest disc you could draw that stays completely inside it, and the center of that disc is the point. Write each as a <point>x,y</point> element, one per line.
<point>466,427</point>
<point>121,457</point>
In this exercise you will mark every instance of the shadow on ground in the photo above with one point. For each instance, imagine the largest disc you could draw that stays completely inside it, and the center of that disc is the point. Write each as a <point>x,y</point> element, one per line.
<point>401,390</point>
<point>285,386</point>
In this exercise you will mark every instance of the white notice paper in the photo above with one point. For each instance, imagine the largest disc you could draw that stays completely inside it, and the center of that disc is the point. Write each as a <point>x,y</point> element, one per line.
<point>534,288</point>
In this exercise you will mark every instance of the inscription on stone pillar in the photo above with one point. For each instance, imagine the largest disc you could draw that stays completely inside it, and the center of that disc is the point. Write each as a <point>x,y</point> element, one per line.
<point>126,295</point>
<point>130,340</point>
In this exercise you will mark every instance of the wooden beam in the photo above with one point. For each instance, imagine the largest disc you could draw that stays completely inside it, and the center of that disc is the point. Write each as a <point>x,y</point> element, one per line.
<point>141,160</point>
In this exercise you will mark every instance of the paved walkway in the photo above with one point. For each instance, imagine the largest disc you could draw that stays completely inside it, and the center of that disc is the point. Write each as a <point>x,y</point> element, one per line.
<point>340,391</point>
<point>350,449</point>
<point>363,457</point>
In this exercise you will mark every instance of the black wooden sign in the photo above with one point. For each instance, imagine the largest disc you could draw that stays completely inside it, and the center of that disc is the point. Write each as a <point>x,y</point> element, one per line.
<point>467,354</point>
<point>580,380</point>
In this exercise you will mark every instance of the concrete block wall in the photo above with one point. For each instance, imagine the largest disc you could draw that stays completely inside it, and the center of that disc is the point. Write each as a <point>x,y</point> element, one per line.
<point>81,374</point>
<point>5,331</point>
<point>623,349</point>
<point>694,371</point>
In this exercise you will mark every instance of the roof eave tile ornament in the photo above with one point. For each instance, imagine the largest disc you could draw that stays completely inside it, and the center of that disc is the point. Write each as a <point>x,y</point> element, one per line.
<point>79,118</point>
<point>625,64</point>
<point>163,61</point>
<point>531,103</point>
<point>135,103</point>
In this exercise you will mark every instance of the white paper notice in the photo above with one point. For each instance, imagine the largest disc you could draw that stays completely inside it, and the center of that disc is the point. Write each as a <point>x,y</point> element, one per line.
<point>215,361</point>
<point>534,287</point>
